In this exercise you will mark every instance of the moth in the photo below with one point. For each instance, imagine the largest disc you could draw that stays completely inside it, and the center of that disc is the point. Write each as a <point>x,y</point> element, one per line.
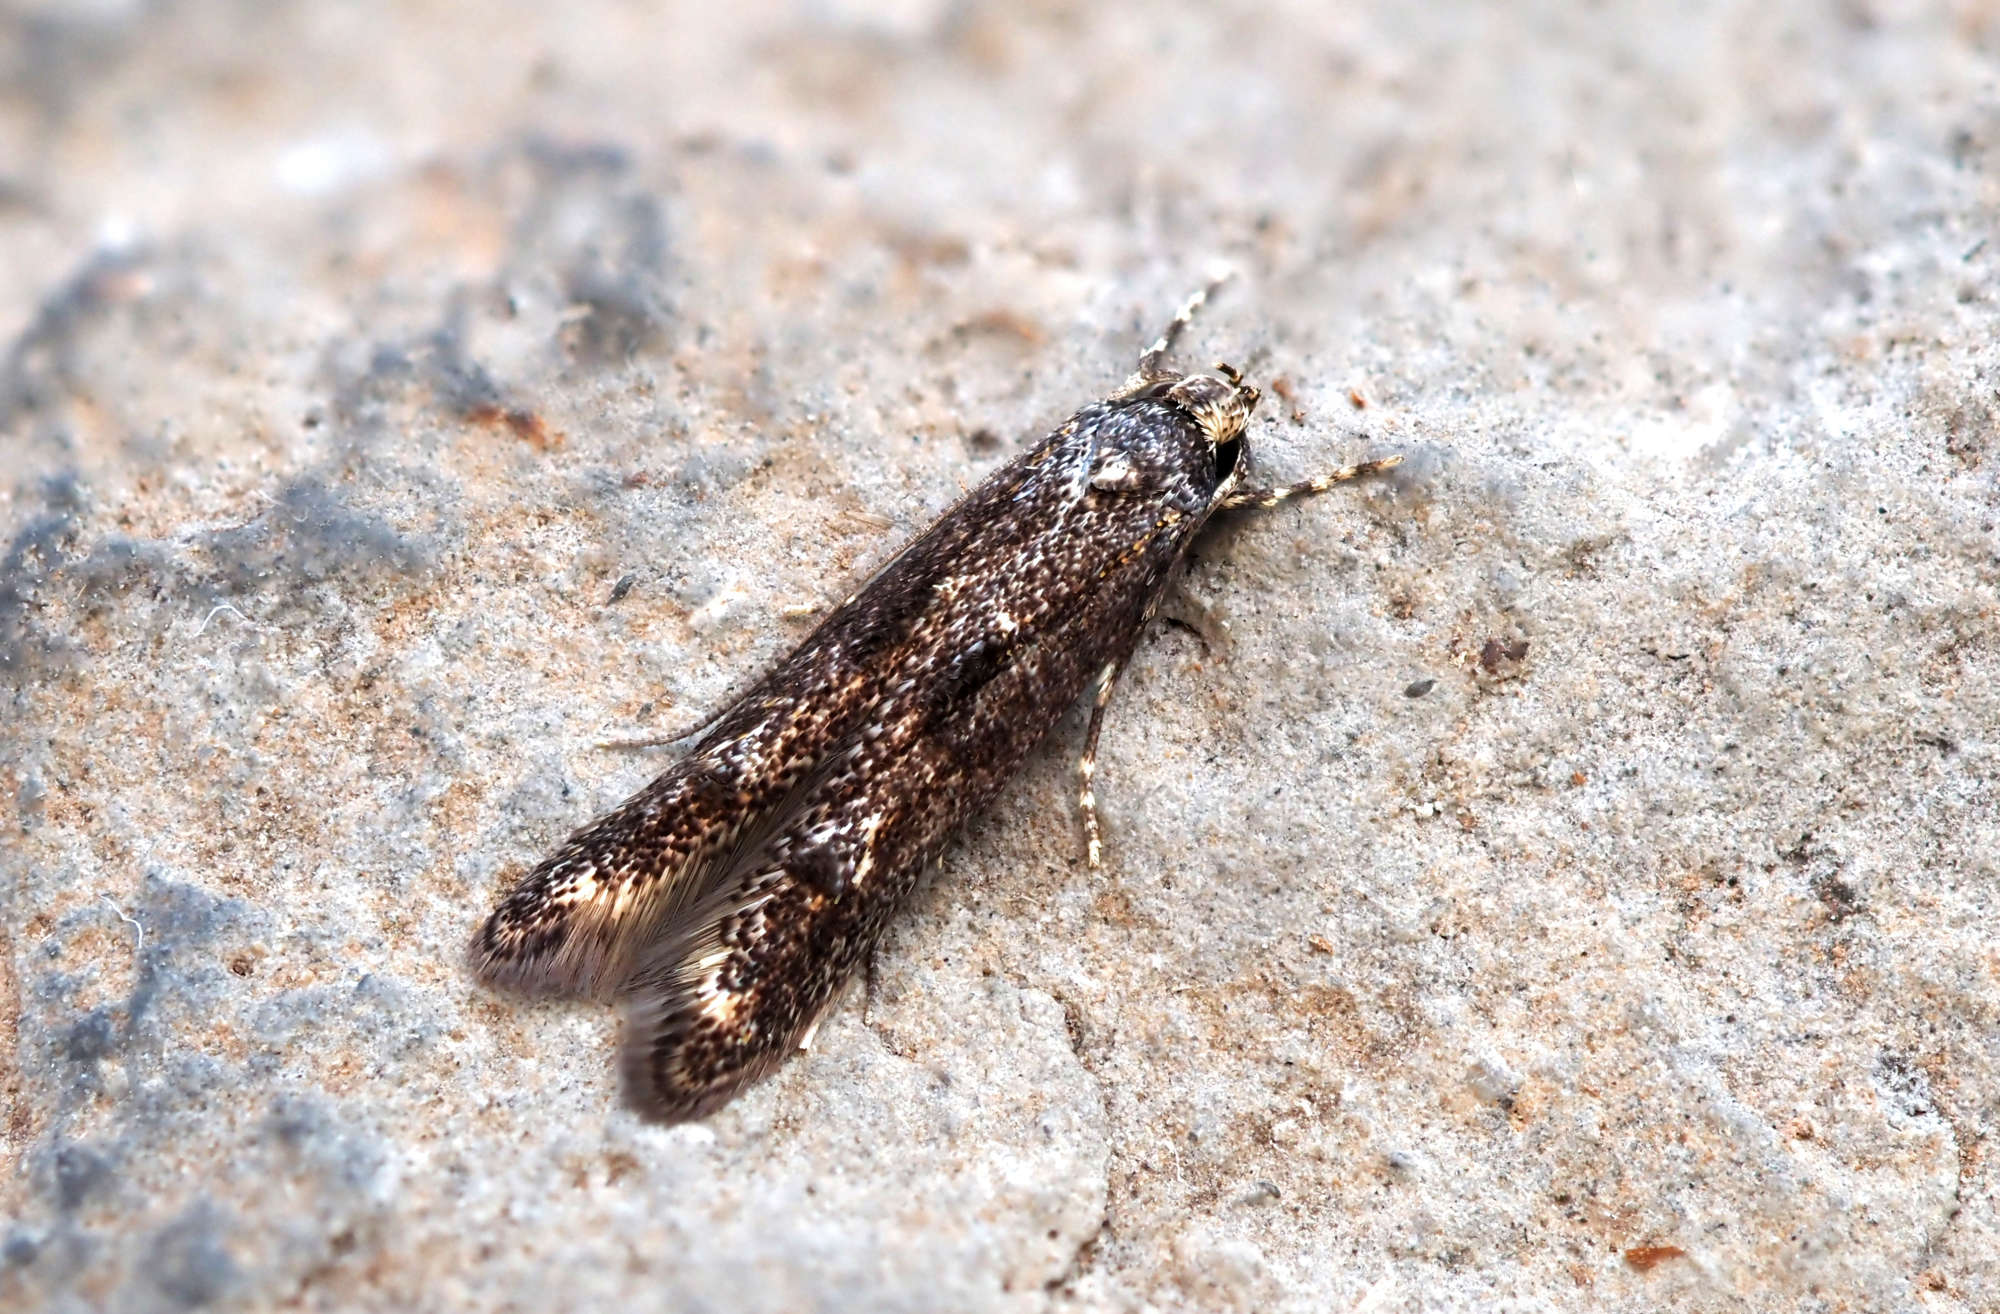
<point>726,903</point>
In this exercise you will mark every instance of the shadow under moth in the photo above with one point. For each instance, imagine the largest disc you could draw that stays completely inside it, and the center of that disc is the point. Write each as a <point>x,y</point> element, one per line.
<point>726,903</point>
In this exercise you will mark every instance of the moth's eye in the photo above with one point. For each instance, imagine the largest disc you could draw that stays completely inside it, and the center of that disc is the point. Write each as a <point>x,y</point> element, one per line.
<point>1226,456</point>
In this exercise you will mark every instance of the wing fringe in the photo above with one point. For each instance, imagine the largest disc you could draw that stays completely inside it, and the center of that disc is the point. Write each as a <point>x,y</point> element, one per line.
<point>577,922</point>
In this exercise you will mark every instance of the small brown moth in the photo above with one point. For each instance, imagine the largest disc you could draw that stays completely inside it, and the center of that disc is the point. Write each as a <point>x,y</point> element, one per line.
<point>727,901</point>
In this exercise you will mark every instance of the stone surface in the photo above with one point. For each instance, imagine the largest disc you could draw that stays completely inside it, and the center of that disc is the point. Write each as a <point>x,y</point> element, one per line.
<point>1563,880</point>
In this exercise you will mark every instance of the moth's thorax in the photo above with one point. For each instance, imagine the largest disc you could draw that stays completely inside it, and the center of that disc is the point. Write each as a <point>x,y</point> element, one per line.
<point>1179,432</point>
<point>1220,406</point>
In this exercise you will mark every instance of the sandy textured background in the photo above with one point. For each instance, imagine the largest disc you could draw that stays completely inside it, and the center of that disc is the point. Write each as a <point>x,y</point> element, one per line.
<point>1567,881</point>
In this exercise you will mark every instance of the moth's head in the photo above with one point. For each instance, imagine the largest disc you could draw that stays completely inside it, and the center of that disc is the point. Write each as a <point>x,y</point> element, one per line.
<point>1221,404</point>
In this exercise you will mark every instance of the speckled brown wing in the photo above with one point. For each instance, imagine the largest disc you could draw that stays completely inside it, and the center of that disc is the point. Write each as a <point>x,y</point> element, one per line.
<point>730,899</point>
<point>1064,583</point>
<point>578,921</point>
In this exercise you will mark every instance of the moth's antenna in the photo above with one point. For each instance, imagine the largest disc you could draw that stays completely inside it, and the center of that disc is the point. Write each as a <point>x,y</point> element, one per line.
<point>1153,361</point>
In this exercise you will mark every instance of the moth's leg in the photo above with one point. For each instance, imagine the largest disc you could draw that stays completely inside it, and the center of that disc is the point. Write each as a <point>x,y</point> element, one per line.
<point>661,740</point>
<point>664,738</point>
<point>1265,498</point>
<point>1086,766</point>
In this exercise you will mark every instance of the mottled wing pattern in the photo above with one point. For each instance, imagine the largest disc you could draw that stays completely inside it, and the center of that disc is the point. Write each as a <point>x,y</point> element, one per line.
<point>730,899</point>
<point>576,922</point>
<point>1025,617</point>
<point>574,925</point>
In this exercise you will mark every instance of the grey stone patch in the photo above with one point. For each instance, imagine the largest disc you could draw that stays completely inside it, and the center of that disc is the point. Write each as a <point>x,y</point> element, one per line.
<point>461,383</point>
<point>171,983</point>
<point>42,364</point>
<point>309,536</point>
<point>1490,998</point>
<point>79,1172</point>
<point>166,1102</point>
<point>35,553</point>
<point>58,50</point>
<point>371,384</point>
<point>328,1145</point>
<point>600,238</point>
<point>186,1261</point>
<point>20,1249</point>
<point>371,1011</point>
<point>716,469</point>
<point>60,568</point>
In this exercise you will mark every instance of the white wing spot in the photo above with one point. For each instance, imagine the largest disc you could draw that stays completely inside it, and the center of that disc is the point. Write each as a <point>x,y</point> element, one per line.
<point>867,862</point>
<point>723,1006</point>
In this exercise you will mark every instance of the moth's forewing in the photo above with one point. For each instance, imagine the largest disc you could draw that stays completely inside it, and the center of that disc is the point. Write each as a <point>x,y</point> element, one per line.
<point>730,899</point>
<point>1012,627</point>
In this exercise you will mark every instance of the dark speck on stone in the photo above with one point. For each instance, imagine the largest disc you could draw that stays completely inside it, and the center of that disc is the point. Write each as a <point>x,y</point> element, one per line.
<point>1418,688</point>
<point>91,1038</point>
<point>1262,1192</point>
<point>79,1171</point>
<point>20,1250</point>
<point>188,1264</point>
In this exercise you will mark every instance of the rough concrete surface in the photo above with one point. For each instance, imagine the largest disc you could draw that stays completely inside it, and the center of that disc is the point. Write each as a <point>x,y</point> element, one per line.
<point>1560,877</point>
